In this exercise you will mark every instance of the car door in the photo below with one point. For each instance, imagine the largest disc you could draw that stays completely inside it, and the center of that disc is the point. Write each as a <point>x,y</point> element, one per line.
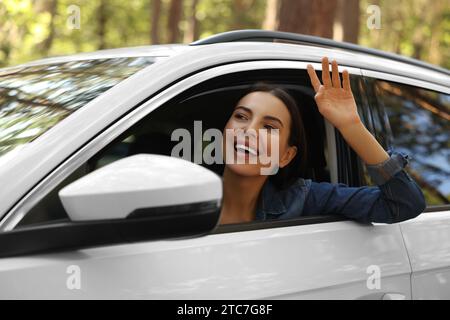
<point>314,258</point>
<point>416,117</point>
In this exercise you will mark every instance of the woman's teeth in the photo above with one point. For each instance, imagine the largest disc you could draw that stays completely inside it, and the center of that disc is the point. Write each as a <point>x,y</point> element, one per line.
<point>243,148</point>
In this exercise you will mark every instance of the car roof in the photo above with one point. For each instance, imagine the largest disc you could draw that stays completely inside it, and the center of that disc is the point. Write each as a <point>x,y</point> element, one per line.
<point>300,39</point>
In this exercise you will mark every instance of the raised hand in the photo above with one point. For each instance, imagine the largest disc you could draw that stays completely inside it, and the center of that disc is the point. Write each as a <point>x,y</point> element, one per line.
<point>335,101</point>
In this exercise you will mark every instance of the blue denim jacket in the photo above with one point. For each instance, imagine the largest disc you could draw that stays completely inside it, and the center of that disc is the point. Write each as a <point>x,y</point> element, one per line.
<point>396,198</point>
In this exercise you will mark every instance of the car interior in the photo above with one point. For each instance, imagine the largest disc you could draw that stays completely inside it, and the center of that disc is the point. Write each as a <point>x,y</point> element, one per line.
<point>211,102</point>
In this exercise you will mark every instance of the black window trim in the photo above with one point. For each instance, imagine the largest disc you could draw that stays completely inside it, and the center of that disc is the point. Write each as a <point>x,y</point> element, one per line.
<point>271,224</point>
<point>436,208</point>
<point>349,164</point>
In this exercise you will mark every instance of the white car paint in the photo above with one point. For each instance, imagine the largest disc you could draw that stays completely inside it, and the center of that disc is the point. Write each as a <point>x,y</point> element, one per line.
<point>427,240</point>
<point>140,181</point>
<point>314,261</point>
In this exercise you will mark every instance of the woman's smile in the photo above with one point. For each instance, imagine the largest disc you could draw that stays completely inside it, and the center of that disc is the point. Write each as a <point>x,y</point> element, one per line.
<point>240,148</point>
<point>246,147</point>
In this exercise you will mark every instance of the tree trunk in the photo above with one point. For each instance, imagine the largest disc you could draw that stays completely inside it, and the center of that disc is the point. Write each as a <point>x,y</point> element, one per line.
<point>240,12</point>
<point>294,16</point>
<point>352,23</point>
<point>346,27</point>
<point>175,12</point>
<point>307,17</point>
<point>155,14</point>
<point>323,13</point>
<point>192,32</point>
<point>438,13</point>
<point>102,17</point>
<point>271,20</point>
<point>50,7</point>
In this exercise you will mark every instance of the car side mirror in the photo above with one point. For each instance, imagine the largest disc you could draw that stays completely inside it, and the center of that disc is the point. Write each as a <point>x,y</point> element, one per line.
<point>144,186</point>
<point>139,198</point>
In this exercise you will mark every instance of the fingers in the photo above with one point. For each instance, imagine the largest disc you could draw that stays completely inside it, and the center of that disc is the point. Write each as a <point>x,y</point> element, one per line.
<point>326,73</point>
<point>320,93</point>
<point>346,80</point>
<point>329,82</point>
<point>335,75</point>
<point>313,76</point>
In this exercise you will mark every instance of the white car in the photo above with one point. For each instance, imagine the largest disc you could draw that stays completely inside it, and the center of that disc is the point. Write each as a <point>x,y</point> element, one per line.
<point>92,206</point>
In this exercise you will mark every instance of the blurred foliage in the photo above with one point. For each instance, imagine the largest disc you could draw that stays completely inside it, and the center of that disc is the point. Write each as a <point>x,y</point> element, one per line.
<point>415,28</point>
<point>217,16</point>
<point>29,29</point>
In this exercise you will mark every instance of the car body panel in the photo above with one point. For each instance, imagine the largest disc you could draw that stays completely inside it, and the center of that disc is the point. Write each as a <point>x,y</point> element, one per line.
<point>320,261</point>
<point>427,239</point>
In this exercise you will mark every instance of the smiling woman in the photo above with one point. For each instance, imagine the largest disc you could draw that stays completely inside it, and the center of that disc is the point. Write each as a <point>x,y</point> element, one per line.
<point>275,114</point>
<point>35,98</point>
<point>272,114</point>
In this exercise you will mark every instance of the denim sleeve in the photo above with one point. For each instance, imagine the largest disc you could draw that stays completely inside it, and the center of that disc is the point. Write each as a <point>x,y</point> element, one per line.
<point>397,197</point>
<point>383,172</point>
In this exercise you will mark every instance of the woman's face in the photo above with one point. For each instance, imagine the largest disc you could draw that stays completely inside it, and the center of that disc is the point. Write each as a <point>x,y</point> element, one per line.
<point>256,111</point>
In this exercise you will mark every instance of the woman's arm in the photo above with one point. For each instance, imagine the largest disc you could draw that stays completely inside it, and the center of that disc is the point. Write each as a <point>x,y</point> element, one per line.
<point>337,104</point>
<point>397,197</point>
<point>394,201</point>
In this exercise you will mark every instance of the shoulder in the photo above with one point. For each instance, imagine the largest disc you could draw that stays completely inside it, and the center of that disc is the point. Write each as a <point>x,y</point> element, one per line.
<point>307,187</point>
<point>287,202</point>
<point>299,186</point>
<point>323,186</point>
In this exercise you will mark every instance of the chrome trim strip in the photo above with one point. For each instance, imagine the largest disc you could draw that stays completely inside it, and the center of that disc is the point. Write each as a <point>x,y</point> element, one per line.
<point>15,215</point>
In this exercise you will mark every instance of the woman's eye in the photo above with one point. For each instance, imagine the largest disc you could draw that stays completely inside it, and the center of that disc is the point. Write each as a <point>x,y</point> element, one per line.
<point>240,116</point>
<point>269,127</point>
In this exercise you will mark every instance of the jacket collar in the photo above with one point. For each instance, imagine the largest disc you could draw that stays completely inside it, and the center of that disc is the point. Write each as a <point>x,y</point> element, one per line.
<point>270,202</point>
<point>275,202</point>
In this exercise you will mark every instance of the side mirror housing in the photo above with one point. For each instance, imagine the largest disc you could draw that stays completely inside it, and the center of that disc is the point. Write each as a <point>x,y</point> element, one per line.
<point>142,186</point>
<point>139,198</point>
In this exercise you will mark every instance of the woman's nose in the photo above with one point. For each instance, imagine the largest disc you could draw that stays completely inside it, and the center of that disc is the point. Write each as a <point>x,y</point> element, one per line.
<point>252,128</point>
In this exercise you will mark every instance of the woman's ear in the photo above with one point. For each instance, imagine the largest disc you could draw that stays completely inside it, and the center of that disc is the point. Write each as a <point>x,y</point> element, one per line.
<point>288,156</point>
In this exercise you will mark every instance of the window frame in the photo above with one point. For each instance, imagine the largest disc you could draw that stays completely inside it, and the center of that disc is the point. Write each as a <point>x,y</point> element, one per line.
<point>370,75</point>
<point>138,112</point>
<point>350,166</point>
